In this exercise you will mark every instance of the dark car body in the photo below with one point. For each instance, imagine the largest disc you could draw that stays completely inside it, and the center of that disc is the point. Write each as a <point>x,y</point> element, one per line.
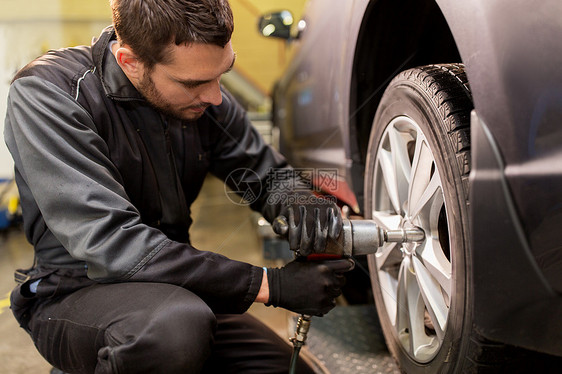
<point>512,52</point>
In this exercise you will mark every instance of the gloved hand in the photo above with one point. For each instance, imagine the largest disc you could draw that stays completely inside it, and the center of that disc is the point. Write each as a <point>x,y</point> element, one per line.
<point>307,287</point>
<point>309,225</point>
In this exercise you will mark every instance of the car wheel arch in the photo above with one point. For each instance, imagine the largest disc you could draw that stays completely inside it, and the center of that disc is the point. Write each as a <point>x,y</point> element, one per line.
<point>376,62</point>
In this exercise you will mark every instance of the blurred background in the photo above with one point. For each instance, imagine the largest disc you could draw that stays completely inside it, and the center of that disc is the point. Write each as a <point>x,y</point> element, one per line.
<point>29,28</point>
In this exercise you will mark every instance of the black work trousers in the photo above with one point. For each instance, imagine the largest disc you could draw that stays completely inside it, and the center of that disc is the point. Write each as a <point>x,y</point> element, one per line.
<point>151,328</point>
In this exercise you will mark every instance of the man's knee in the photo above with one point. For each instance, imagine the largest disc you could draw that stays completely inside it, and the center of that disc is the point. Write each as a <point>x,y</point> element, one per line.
<point>175,337</point>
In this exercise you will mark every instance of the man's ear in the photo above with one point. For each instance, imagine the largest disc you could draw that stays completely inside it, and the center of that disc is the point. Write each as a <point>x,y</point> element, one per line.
<point>129,62</point>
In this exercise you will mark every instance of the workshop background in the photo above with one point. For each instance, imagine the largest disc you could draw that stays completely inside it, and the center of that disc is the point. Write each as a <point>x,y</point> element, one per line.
<point>29,28</point>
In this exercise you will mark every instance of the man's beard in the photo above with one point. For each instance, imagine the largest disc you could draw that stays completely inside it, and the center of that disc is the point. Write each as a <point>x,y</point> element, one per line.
<point>147,88</point>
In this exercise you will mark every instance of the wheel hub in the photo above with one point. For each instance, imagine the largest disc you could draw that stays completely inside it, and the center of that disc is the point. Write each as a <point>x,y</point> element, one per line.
<point>409,248</point>
<point>408,197</point>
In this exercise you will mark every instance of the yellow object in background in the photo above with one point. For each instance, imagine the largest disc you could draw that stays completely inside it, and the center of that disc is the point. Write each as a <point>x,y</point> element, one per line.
<point>13,204</point>
<point>9,198</point>
<point>260,60</point>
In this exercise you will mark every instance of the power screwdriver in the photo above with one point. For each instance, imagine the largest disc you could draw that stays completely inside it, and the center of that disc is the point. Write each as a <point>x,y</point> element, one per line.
<point>358,237</point>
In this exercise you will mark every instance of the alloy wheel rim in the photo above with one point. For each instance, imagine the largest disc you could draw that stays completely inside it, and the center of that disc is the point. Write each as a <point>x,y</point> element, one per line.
<point>415,279</point>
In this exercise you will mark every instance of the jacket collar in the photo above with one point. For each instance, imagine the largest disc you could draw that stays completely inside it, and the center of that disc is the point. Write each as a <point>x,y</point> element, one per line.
<point>115,83</point>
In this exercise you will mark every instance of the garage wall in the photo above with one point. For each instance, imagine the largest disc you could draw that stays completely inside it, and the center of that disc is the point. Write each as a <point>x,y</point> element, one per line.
<point>261,60</point>
<point>28,28</point>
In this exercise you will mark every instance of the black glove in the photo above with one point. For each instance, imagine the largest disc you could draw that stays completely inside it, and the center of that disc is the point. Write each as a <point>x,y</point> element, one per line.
<point>308,223</point>
<point>307,287</point>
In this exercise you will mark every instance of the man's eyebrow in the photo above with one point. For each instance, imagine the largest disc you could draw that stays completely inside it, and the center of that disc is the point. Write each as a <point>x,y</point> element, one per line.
<point>195,83</point>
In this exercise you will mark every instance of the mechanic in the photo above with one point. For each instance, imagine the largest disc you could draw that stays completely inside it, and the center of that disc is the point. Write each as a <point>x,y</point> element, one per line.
<point>111,145</point>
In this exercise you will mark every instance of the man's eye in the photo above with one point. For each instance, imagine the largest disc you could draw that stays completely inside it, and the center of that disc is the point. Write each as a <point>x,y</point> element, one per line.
<point>191,85</point>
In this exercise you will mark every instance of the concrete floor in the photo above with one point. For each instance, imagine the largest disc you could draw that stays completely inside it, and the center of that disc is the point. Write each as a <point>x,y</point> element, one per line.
<point>219,225</point>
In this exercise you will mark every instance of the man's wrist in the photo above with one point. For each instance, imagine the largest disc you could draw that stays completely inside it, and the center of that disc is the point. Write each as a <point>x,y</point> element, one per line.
<point>263,294</point>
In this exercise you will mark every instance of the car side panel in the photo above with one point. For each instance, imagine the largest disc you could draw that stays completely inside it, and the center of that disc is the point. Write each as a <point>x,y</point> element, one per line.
<point>512,301</point>
<point>311,101</point>
<point>513,52</point>
<point>314,93</point>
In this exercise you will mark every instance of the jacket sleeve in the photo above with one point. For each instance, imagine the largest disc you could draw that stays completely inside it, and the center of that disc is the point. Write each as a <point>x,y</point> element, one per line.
<point>65,166</point>
<point>250,167</point>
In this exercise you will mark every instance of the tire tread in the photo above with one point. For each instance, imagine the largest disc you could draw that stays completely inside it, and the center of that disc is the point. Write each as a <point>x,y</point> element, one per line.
<point>449,92</point>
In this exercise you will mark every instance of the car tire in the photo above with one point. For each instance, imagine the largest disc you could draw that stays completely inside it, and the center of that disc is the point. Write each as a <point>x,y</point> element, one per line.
<point>422,130</point>
<point>417,176</point>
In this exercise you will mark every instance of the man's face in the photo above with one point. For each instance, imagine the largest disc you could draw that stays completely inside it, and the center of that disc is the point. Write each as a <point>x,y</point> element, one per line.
<point>190,82</point>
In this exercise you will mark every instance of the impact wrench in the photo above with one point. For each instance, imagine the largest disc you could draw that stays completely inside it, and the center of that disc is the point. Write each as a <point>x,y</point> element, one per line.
<point>358,237</point>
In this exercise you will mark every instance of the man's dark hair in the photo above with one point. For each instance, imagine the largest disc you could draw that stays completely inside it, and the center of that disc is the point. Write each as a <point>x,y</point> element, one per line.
<point>150,26</point>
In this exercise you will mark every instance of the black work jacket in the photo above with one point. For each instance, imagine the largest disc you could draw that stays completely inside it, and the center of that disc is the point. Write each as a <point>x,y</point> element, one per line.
<point>106,181</point>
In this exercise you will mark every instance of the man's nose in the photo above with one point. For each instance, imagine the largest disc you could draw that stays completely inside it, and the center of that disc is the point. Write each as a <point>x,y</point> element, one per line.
<point>212,93</point>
